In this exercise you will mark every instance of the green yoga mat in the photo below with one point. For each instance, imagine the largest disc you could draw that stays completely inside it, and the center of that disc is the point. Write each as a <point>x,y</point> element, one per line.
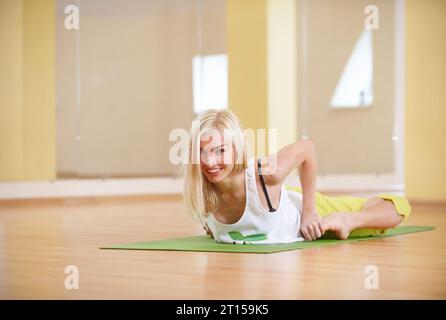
<point>205,243</point>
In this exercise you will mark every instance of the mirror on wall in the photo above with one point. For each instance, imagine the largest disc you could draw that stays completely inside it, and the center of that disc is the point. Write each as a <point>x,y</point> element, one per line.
<point>133,71</point>
<point>350,84</point>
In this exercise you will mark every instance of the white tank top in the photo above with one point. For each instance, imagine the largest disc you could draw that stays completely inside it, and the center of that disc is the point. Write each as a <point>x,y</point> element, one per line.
<point>257,225</point>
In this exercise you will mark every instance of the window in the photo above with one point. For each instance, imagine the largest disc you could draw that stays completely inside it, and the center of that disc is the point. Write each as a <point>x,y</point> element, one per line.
<point>210,82</point>
<point>355,87</point>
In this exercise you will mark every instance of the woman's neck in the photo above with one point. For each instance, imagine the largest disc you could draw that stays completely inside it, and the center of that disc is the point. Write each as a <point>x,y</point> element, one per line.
<point>233,186</point>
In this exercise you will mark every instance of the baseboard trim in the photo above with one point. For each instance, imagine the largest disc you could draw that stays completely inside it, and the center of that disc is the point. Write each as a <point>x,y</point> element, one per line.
<point>89,188</point>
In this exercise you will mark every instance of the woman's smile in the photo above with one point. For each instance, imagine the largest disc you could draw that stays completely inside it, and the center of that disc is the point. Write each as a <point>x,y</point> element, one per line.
<point>214,171</point>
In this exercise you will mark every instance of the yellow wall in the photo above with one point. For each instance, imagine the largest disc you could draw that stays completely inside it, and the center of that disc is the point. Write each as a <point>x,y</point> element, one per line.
<point>282,69</point>
<point>246,49</point>
<point>11,150</point>
<point>261,46</point>
<point>27,84</point>
<point>425,132</point>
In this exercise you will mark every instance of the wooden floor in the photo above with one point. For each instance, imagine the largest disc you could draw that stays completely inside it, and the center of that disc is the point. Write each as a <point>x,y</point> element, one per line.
<point>38,239</point>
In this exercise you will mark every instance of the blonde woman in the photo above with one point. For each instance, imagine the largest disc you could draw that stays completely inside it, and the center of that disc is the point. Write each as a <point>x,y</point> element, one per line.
<point>239,200</point>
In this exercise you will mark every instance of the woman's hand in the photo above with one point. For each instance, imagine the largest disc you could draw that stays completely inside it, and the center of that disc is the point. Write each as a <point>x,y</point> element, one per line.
<point>312,226</point>
<point>208,231</point>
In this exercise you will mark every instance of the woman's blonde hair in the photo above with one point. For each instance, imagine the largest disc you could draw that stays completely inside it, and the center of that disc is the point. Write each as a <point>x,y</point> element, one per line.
<point>199,194</point>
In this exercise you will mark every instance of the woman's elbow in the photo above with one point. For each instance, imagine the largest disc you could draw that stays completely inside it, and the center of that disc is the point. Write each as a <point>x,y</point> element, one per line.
<point>306,151</point>
<point>303,145</point>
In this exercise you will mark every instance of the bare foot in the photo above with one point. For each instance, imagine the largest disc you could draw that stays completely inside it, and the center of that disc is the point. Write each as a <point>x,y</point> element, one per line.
<point>340,223</point>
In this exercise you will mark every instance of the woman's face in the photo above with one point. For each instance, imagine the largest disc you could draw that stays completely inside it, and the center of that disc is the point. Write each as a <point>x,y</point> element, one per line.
<point>217,155</point>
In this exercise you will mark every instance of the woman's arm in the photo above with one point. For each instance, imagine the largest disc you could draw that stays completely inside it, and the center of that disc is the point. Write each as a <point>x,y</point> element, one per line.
<point>301,155</point>
<point>312,225</point>
<point>307,174</point>
<point>278,166</point>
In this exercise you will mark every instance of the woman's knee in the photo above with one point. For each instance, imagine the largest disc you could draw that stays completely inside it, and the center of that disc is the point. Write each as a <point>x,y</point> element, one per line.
<point>372,202</point>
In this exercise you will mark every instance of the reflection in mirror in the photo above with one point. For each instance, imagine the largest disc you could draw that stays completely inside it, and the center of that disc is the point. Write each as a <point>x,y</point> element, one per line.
<point>355,86</point>
<point>210,82</point>
<point>125,80</point>
<point>344,65</point>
